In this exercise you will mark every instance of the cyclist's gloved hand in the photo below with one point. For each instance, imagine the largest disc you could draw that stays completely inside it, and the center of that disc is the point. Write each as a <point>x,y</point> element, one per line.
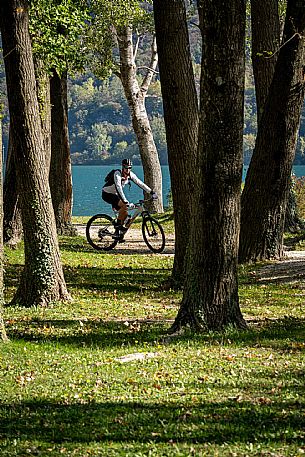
<point>154,196</point>
<point>130,206</point>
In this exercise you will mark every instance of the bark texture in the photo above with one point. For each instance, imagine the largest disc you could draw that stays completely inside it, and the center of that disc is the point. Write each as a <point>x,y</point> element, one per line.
<point>12,216</point>
<point>42,280</point>
<point>181,116</point>
<point>12,224</point>
<point>60,168</point>
<point>3,335</point>
<point>266,37</point>
<point>44,101</point>
<point>266,33</point>
<point>135,95</point>
<point>210,297</point>
<point>266,190</point>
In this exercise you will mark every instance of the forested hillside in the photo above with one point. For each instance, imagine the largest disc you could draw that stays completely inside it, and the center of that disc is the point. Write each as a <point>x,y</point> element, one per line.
<point>99,121</point>
<point>100,126</point>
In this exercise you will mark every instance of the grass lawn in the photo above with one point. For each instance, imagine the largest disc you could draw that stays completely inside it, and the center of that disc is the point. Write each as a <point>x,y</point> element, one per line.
<point>68,389</point>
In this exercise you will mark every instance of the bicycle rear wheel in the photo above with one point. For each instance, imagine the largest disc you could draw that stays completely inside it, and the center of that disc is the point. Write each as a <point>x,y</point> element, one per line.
<point>153,234</point>
<point>99,232</point>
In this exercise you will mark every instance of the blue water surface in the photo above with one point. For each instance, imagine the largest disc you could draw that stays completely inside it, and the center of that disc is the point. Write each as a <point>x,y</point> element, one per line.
<point>88,181</point>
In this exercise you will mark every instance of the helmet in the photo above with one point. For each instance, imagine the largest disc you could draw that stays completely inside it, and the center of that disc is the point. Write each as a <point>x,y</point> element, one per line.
<point>127,163</point>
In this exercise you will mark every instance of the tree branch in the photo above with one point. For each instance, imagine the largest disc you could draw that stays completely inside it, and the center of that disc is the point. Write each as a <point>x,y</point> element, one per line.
<point>135,51</point>
<point>143,67</point>
<point>152,67</point>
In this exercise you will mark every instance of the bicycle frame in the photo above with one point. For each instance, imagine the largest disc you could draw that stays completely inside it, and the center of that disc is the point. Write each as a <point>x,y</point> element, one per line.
<point>139,210</point>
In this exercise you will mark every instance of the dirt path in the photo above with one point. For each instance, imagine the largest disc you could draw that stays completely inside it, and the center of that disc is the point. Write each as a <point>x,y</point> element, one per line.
<point>290,269</point>
<point>134,243</point>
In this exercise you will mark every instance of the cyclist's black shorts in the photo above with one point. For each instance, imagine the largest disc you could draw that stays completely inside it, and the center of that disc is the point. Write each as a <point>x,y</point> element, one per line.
<point>112,199</point>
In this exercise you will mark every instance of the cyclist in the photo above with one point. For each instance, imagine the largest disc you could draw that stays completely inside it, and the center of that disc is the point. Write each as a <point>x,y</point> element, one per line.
<point>113,194</point>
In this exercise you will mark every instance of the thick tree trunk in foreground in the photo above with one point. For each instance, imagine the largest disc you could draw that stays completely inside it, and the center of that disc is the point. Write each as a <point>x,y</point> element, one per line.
<point>3,335</point>
<point>60,169</point>
<point>266,189</point>
<point>42,280</point>
<point>12,224</point>
<point>135,95</point>
<point>210,299</point>
<point>181,117</point>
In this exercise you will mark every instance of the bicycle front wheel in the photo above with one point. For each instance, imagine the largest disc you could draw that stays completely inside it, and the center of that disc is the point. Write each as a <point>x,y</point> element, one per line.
<point>99,232</point>
<point>153,234</point>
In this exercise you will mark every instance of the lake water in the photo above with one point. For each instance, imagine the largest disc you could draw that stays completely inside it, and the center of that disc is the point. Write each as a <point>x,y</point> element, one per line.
<point>88,181</point>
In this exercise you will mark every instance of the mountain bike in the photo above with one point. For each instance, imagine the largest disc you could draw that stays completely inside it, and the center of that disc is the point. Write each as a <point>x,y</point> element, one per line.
<point>100,229</point>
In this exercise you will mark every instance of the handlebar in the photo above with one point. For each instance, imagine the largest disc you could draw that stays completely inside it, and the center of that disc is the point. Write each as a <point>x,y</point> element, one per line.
<point>142,202</point>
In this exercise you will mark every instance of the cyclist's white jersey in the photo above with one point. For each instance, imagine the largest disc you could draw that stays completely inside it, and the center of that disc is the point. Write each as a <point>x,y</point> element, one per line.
<point>120,182</point>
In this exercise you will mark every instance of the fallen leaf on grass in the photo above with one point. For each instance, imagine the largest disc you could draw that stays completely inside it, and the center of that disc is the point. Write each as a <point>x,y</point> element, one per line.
<point>238,398</point>
<point>25,378</point>
<point>136,356</point>
<point>264,400</point>
<point>231,357</point>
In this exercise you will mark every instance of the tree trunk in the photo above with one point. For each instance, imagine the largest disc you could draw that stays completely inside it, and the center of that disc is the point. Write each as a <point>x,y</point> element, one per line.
<point>44,100</point>
<point>210,299</point>
<point>12,224</point>
<point>266,190</point>
<point>60,169</point>
<point>42,280</point>
<point>12,227</point>
<point>266,33</point>
<point>3,335</point>
<point>266,36</point>
<point>135,96</point>
<point>181,116</point>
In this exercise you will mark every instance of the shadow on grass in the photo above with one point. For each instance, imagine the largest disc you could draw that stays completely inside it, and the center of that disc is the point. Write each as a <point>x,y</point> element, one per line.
<point>124,279</point>
<point>282,272</point>
<point>283,335</point>
<point>89,334</point>
<point>136,422</point>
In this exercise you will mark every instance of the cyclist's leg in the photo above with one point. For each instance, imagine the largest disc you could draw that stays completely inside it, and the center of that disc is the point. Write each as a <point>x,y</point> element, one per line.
<point>120,229</point>
<point>115,202</point>
<point>123,211</point>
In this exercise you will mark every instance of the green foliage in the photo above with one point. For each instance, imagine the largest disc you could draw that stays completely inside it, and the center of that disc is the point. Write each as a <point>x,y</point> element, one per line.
<point>158,128</point>
<point>249,144</point>
<point>67,34</point>
<point>107,15</point>
<point>58,30</point>
<point>99,141</point>
<point>104,103</point>
<point>68,389</point>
